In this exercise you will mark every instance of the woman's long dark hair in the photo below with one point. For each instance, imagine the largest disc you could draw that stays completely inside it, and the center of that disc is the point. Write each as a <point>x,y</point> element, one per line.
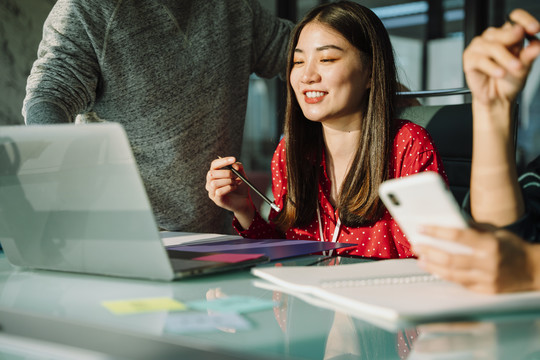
<point>358,202</point>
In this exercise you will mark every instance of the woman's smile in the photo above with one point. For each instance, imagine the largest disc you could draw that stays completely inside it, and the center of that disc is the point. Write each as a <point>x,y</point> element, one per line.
<point>313,96</point>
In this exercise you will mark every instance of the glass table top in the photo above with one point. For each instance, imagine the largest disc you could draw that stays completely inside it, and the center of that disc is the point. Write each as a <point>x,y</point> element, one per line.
<point>277,325</point>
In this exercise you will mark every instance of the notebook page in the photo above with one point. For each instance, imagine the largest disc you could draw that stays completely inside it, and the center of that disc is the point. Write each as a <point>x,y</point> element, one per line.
<point>394,290</point>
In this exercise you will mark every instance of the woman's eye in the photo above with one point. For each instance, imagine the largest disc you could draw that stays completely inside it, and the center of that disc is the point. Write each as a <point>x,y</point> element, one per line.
<point>327,60</point>
<point>297,62</point>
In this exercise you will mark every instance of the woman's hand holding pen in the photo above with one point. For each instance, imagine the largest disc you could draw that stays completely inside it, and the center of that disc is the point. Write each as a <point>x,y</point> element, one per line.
<point>228,191</point>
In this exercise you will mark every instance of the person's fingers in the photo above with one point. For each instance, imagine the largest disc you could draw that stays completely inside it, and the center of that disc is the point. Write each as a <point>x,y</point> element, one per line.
<point>224,190</point>
<point>221,183</point>
<point>530,25</point>
<point>507,35</point>
<point>474,237</point>
<point>526,20</point>
<point>497,264</point>
<point>220,174</point>
<point>477,59</point>
<point>214,175</point>
<point>209,179</point>
<point>221,162</point>
<point>492,57</point>
<point>485,65</point>
<point>238,166</point>
<point>436,256</point>
<point>483,247</point>
<point>446,233</point>
<point>481,287</point>
<point>218,188</point>
<point>472,277</point>
<point>530,53</point>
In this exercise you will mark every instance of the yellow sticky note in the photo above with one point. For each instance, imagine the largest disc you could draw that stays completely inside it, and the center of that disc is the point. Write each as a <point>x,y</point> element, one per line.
<point>133,306</point>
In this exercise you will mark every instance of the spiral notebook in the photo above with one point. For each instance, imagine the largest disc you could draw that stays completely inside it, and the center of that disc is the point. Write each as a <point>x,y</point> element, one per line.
<point>390,291</point>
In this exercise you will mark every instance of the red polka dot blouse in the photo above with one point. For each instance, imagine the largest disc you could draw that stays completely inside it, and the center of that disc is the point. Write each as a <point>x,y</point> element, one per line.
<point>413,152</point>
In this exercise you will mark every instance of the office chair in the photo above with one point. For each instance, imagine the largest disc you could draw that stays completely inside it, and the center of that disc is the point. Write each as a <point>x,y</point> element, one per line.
<point>450,127</point>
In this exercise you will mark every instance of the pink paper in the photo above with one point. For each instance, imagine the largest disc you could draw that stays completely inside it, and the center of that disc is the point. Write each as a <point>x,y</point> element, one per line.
<point>229,258</point>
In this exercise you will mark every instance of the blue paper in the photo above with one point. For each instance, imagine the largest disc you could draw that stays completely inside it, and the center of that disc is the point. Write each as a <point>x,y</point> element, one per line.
<point>232,304</point>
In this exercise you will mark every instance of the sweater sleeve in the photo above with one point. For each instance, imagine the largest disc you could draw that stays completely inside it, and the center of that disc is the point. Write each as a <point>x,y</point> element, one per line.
<point>64,78</point>
<point>528,226</point>
<point>270,42</point>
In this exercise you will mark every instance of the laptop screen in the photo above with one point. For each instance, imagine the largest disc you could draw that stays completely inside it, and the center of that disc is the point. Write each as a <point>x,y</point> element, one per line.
<point>71,199</point>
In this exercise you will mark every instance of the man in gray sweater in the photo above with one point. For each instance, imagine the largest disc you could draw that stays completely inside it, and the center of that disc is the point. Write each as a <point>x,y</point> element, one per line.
<point>174,73</point>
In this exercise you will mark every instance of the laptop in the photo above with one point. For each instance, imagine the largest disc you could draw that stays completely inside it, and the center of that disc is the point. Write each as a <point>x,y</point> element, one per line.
<point>71,199</point>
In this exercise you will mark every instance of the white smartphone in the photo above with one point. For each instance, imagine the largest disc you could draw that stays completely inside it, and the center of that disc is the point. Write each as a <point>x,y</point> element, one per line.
<point>423,199</point>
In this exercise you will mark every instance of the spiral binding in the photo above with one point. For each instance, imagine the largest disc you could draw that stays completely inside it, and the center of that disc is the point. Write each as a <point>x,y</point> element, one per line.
<point>394,280</point>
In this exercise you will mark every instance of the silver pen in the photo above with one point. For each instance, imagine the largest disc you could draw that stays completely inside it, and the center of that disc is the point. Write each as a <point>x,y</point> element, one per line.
<point>237,173</point>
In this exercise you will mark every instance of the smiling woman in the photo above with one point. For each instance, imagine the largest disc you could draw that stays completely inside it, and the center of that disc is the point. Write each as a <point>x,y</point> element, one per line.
<point>331,74</point>
<point>341,140</point>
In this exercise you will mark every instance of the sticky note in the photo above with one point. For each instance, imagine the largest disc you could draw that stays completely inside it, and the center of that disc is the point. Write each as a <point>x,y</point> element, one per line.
<point>232,304</point>
<point>134,306</point>
<point>184,323</point>
<point>228,258</point>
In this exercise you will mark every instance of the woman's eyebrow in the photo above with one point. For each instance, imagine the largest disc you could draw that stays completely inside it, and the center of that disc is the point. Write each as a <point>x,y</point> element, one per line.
<point>327,47</point>
<point>321,48</point>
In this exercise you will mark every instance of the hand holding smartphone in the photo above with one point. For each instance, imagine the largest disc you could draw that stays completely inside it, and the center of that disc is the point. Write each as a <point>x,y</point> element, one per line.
<point>424,199</point>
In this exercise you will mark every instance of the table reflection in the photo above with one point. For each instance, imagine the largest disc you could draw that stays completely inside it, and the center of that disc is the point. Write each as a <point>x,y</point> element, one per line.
<point>292,327</point>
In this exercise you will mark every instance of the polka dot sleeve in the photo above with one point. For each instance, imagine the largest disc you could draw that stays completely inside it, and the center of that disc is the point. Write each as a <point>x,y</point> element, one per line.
<point>414,151</point>
<point>261,229</point>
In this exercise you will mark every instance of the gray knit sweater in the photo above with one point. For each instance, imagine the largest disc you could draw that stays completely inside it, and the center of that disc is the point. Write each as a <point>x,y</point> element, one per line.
<point>174,73</point>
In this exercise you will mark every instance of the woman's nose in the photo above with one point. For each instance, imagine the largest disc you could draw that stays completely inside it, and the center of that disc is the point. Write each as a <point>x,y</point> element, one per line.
<point>310,75</point>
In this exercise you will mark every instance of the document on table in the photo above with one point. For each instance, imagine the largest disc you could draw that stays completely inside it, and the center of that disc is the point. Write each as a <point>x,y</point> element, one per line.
<point>390,290</point>
<point>172,238</point>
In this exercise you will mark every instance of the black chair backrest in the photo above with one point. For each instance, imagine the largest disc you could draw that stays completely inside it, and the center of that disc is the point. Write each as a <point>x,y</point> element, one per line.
<point>450,127</point>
